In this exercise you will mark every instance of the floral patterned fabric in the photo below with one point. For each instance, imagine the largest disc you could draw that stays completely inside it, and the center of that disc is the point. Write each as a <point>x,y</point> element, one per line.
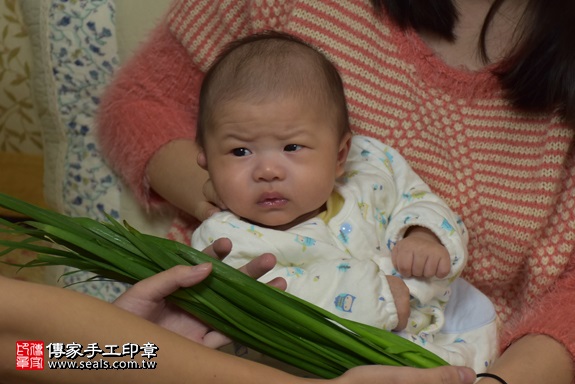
<point>83,55</point>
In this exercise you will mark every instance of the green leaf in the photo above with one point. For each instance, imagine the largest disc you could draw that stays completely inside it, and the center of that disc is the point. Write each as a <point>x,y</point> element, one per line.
<point>261,317</point>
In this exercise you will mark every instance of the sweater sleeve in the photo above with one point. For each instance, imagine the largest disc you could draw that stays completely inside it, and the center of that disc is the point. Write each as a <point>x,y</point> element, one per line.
<point>551,315</point>
<point>151,102</point>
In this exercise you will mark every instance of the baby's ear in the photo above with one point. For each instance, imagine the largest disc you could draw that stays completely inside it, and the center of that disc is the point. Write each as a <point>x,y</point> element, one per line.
<point>344,146</point>
<point>202,159</point>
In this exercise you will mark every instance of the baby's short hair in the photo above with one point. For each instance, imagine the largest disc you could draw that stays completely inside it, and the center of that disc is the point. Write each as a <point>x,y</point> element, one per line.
<point>272,65</point>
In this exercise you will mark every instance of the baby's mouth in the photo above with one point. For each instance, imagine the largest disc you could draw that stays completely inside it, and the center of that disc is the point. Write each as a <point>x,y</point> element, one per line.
<point>272,200</point>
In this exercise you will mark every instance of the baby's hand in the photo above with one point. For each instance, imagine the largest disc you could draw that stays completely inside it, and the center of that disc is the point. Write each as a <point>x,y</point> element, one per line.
<point>401,298</point>
<point>421,254</point>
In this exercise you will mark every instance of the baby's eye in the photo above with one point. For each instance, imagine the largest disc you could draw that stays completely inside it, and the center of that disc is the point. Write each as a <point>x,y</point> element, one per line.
<point>292,147</point>
<point>239,152</point>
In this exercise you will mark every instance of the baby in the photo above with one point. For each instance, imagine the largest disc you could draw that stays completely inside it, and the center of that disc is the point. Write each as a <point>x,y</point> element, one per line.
<point>343,214</point>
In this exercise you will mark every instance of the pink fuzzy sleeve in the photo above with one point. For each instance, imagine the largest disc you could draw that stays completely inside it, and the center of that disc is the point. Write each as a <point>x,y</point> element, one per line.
<point>552,315</point>
<point>151,102</point>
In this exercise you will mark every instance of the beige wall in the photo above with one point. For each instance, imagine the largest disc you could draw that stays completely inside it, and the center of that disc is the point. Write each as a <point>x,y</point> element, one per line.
<point>137,18</point>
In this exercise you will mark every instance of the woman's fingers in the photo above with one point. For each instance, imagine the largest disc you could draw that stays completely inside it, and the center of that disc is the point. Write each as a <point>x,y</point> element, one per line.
<point>254,269</point>
<point>157,287</point>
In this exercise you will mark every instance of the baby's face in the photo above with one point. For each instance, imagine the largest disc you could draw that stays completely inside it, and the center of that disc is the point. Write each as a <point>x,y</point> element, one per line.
<point>274,163</point>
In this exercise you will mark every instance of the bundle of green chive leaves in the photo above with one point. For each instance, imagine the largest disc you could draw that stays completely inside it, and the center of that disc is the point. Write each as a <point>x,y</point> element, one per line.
<point>260,317</point>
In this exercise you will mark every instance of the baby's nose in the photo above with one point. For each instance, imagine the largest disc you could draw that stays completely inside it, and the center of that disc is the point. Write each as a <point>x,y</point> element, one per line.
<point>270,170</point>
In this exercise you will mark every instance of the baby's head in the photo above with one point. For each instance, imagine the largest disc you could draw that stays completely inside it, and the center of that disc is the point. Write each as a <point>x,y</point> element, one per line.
<point>273,128</point>
<point>269,66</point>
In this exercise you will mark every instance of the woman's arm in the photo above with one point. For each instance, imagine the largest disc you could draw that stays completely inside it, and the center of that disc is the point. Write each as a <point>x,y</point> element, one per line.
<point>533,359</point>
<point>147,125</point>
<point>39,312</point>
<point>541,346</point>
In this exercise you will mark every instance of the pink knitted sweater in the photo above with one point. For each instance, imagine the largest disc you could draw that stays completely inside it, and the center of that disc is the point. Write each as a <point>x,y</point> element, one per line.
<point>506,173</point>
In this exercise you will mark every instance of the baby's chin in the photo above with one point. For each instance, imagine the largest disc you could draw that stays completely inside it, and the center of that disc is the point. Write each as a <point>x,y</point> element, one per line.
<point>280,223</point>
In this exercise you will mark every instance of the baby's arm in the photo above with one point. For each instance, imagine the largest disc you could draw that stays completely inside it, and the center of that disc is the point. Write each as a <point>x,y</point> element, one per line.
<point>412,214</point>
<point>421,254</point>
<point>315,271</point>
<point>352,289</point>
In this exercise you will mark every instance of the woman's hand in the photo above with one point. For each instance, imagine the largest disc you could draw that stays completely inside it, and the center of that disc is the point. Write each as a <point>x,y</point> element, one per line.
<point>185,186</point>
<point>404,375</point>
<point>147,298</point>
